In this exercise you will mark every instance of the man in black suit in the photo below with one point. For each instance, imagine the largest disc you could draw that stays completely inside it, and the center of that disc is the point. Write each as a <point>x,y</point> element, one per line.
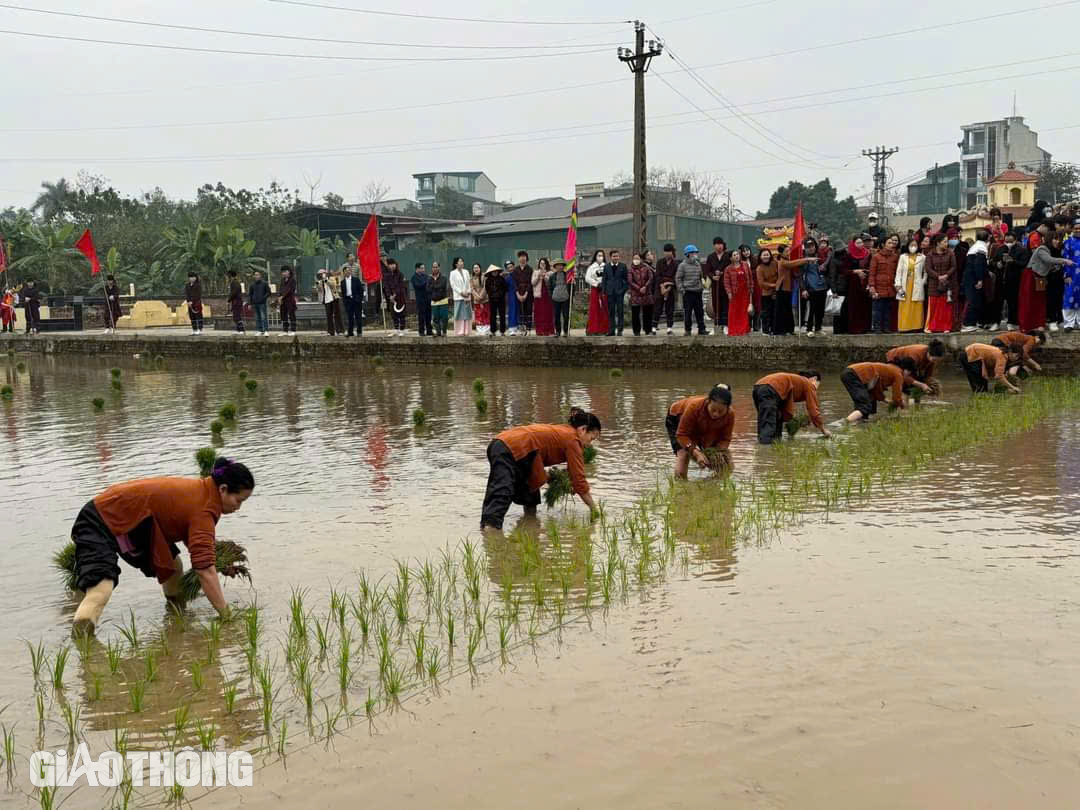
<point>615,285</point>
<point>352,293</point>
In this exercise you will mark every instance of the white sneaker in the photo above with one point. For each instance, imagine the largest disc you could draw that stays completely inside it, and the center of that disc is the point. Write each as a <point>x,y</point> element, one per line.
<point>1013,327</point>
<point>194,332</point>
<point>670,331</point>
<point>284,334</point>
<point>1053,327</point>
<point>970,329</point>
<point>1001,326</point>
<point>725,330</point>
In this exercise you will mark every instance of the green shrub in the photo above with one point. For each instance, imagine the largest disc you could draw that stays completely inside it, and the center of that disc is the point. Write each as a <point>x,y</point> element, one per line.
<point>242,374</point>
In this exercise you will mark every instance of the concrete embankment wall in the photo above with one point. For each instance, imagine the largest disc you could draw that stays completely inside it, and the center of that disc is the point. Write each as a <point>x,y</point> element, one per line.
<point>749,353</point>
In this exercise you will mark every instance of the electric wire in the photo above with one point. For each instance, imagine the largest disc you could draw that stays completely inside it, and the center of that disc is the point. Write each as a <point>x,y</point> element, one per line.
<point>439,18</point>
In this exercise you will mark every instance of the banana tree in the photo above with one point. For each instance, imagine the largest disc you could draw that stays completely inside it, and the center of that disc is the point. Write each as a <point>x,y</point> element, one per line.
<point>186,249</point>
<point>233,252</point>
<point>303,242</point>
<point>46,252</point>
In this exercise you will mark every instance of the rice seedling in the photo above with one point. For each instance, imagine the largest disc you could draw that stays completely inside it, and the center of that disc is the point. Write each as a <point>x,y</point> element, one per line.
<point>150,665</point>
<point>433,664</point>
<point>7,393</point>
<point>58,666</point>
<point>369,704</point>
<point>283,737</point>
<point>181,719</point>
<point>297,616</point>
<point>344,662</point>
<point>9,751</point>
<point>322,634</point>
<point>205,457</point>
<point>481,617</point>
<point>307,691</point>
<point>481,405</point>
<point>363,618</point>
<point>504,634</point>
<point>419,417</point>
<point>39,700</point>
<point>37,658</point>
<point>115,372</point>
<point>419,648</point>
<point>228,412</point>
<point>589,454</point>
<point>252,625</point>
<point>20,366</point>
<point>46,795</point>
<point>197,677</point>
<point>448,371</point>
<point>473,645</point>
<point>98,403</point>
<point>558,487</point>
<point>242,374</point>
<point>329,393</point>
<point>174,795</point>
<point>97,685</point>
<point>216,427</point>
<point>400,601</point>
<point>450,631</point>
<point>206,734</point>
<point>393,684</point>
<point>615,373</point>
<point>426,575</point>
<point>137,696</point>
<point>251,385</point>
<point>229,695</point>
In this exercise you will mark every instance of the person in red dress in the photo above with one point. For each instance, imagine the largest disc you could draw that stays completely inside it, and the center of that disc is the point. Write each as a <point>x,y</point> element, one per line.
<point>940,277</point>
<point>1033,279</point>
<point>543,311</point>
<point>737,285</point>
<point>594,277</point>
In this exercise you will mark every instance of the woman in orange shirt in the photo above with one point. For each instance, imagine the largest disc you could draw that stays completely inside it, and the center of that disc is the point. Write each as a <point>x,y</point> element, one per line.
<point>518,457</point>
<point>141,522</point>
<point>696,424</point>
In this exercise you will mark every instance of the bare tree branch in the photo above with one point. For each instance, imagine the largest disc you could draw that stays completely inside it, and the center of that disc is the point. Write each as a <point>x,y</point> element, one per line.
<point>374,193</point>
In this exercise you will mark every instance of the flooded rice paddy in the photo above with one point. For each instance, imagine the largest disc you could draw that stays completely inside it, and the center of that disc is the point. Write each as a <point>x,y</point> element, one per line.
<point>916,647</point>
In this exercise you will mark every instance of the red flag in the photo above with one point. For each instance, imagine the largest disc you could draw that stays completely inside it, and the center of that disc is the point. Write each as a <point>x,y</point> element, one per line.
<point>367,252</point>
<point>85,246</point>
<point>3,255</point>
<point>798,235</point>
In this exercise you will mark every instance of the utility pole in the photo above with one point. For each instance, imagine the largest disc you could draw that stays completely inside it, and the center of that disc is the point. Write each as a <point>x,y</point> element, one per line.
<point>879,155</point>
<point>638,61</point>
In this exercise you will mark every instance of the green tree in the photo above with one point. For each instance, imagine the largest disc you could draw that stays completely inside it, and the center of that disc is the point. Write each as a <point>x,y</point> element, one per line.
<point>837,218</point>
<point>232,251</point>
<point>186,249</point>
<point>1058,183</point>
<point>304,242</point>
<point>335,201</point>
<point>46,252</point>
<point>54,199</point>
<point>450,204</point>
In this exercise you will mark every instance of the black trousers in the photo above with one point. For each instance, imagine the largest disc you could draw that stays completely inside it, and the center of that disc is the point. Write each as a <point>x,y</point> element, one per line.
<point>562,317</point>
<point>615,314</point>
<point>817,310</point>
<point>770,414</point>
<point>1055,295</point>
<point>354,314</point>
<point>693,309</point>
<point>196,321</point>
<point>507,483</point>
<point>398,318</point>
<point>423,316</point>
<point>641,316</point>
<point>238,316</point>
<point>32,312</point>
<point>498,313</point>
<point>974,372</point>
<point>1012,295</point>
<point>768,307</point>
<point>333,318</point>
<point>666,307</point>
<point>973,309</point>
<point>288,320</point>
<point>671,425</point>
<point>860,394</point>
<point>783,319</point>
<point>97,551</point>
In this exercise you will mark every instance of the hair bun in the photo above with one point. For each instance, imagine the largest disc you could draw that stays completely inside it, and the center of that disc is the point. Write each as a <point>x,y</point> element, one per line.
<point>222,464</point>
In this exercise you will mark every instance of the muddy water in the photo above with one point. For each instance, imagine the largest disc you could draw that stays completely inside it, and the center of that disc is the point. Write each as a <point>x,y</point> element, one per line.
<point>926,642</point>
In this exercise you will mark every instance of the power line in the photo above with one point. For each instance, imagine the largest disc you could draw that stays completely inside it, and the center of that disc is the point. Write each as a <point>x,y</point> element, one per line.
<point>415,16</point>
<point>888,35</point>
<point>290,37</point>
<point>563,88</point>
<point>718,11</point>
<point>278,55</point>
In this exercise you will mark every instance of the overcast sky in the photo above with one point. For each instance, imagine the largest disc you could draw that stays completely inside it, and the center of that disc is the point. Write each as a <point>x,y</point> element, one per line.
<point>530,143</point>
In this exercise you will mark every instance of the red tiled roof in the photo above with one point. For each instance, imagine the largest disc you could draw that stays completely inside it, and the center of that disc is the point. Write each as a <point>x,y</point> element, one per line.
<point>1014,176</point>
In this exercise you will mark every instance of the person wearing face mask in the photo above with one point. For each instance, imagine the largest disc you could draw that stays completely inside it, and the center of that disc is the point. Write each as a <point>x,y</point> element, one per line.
<point>597,323</point>
<point>641,295</point>
<point>815,285</point>
<point>1041,214</point>
<point>767,275</point>
<point>616,283</point>
<point>664,298</point>
<point>882,285</point>
<point>975,272</point>
<point>1033,281</point>
<point>940,273</point>
<point>1013,260</point>
<point>911,288</point>
<point>850,280</point>
<point>1071,300</point>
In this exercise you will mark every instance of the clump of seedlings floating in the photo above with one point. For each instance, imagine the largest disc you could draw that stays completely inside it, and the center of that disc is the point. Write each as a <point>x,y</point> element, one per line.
<point>116,384</point>
<point>228,412</point>
<point>329,393</point>
<point>115,372</point>
<point>449,372</point>
<point>20,366</point>
<point>589,454</point>
<point>478,386</point>
<point>7,392</point>
<point>615,373</point>
<point>216,427</point>
<point>98,403</point>
<point>419,417</point>
<point>205,458</point>
<point>251,385</point>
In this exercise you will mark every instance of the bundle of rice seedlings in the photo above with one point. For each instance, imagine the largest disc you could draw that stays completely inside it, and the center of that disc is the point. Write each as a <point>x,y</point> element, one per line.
<point>558,486</point>
<point>615,372</point>
<point>717,462</point>
<point>7,392</point>
<point>449,372</point>
<point>795,425</point>
<point>419,417</point>
<point>205,458</point>
<point>64,562</point>
<point>590,454</point>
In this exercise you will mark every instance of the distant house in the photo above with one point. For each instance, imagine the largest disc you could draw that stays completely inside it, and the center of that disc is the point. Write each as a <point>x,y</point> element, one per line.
<point>988,146</point>
<point>395,206</point>
<point>472,184</point>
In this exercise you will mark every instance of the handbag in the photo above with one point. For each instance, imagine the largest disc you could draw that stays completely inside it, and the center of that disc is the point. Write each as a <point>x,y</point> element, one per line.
<point>1040,283</point>
<point>833,303</point>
